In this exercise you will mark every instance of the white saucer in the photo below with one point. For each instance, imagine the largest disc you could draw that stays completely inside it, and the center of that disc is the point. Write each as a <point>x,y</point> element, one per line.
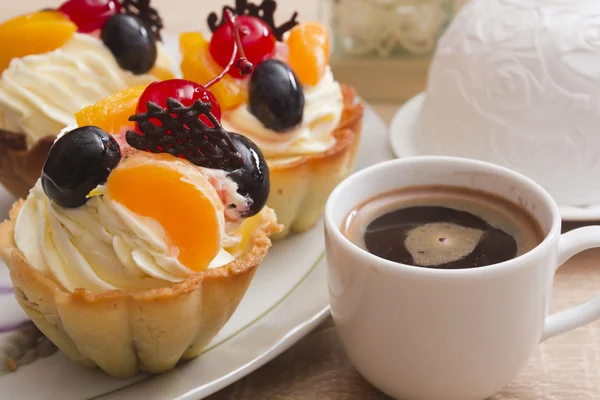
<point>402,139</point>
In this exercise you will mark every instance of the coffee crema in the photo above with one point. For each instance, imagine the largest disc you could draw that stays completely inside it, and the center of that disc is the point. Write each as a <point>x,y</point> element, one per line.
<point>443,227</point>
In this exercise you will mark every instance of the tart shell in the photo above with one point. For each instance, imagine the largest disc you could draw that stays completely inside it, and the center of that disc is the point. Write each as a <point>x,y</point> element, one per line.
<point>301,185</point>
<point>127,332</point>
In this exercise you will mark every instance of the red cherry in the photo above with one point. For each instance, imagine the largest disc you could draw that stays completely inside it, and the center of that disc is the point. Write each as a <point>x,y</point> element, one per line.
<point>90,15</point>
<point>186,92</point>
<point>257,40</point>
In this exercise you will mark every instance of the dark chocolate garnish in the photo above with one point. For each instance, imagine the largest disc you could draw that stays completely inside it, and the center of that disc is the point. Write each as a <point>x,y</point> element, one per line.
<point>265,11</point>
<point>184,134</point>
<point>146,13</point>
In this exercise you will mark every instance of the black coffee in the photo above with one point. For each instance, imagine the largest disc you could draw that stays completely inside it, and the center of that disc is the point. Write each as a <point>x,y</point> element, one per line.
<point>443,227</point>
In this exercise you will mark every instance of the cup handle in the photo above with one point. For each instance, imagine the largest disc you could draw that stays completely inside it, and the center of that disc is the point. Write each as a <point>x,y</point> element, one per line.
<point>570,244</point>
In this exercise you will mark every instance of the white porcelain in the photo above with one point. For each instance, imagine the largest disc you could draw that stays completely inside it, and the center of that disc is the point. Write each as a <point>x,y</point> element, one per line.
<point>403,128</point>
<point>426,334</point>
<point>403,131</point>
<point>590,212</point>
<point>517,83</point>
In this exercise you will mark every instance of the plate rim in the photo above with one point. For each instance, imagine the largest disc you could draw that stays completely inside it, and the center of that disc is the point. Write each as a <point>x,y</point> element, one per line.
<point>402,141</point>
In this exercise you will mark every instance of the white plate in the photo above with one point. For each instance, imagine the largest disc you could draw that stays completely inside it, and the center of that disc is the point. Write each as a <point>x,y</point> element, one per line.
<point>402,139</point>
<point>287,298</point>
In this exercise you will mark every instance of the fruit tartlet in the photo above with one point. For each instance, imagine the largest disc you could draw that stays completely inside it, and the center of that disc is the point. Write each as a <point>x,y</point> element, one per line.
<point>307,124</point>
<point>142,235</point>
<point>55,62</point>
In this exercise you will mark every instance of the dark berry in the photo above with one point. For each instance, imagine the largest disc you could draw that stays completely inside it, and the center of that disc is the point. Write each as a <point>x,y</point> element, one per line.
<point>253,178</point>
<point>276,97</point>
<point>131,43</point>
<point>77,163</point>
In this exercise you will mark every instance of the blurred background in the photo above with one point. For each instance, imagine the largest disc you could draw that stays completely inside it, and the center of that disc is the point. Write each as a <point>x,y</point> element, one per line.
<point>179,15</point>
<point>381,47</point>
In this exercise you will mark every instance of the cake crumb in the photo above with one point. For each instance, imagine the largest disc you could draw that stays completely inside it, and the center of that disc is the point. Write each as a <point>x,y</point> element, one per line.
<point>12,365</point>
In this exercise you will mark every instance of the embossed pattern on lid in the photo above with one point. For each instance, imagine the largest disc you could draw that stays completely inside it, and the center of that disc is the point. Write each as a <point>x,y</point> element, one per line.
<point>517,83</point>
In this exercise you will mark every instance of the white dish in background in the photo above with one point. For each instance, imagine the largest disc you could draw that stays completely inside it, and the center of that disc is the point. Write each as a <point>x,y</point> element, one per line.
<point>522,95</point>
<point>404,127</point>
<point>403,130</point>
<point>287,298</point>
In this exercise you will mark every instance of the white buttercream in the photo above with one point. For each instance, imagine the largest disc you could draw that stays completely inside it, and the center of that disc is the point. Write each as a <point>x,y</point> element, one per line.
<point>323,108</point>
<point>235,203</point>
<point>100,246</point>
<point>39,94</point>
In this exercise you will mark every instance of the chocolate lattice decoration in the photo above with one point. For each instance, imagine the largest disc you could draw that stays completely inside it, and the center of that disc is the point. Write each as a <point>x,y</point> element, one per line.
<point>146,13</point>
<point>183,134</point>
<point>265,11</point>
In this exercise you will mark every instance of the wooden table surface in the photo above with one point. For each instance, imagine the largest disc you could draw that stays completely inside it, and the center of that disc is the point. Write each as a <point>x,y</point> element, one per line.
<point>564,368</point>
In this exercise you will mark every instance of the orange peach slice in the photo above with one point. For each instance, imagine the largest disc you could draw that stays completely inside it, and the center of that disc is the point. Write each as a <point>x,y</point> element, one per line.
<point>34,33</point>
<point>178,196</point>
<point>198,66</point>
<point>112,113</point>
<point>309,51</point>
<point>162,73</point>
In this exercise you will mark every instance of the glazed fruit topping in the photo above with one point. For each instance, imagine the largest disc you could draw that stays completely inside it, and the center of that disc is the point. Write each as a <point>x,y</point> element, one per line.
<point>231,49</point>
<point>257,41</point>
<point>179,131</point>
<point>90,15</point>
<point>198,65</point>
<point>194,133</point>
<point>130,28</point>
<point>253,177</point>
<point>112,113</point>
<point>162,189</point>
<point>265,12</point>
<point>276,97</point>
<point>309,51</point>
<point>34,33</point>
<point>186,92</point>
<point>131,43</point>
<point>78,162</point>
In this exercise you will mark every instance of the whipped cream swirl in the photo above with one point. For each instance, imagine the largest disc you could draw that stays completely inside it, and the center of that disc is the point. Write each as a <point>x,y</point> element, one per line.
<point>100,246</point>
<point>323,108</point>
<point>39,94</point>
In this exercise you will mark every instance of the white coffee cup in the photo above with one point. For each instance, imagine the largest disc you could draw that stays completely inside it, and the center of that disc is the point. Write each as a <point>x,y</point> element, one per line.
<point>418,333</point>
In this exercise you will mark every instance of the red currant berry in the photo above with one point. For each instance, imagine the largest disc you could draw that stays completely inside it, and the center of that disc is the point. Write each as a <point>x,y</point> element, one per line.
<point>186,92</point>
<point>90,15</point>
<point>257,40</point>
